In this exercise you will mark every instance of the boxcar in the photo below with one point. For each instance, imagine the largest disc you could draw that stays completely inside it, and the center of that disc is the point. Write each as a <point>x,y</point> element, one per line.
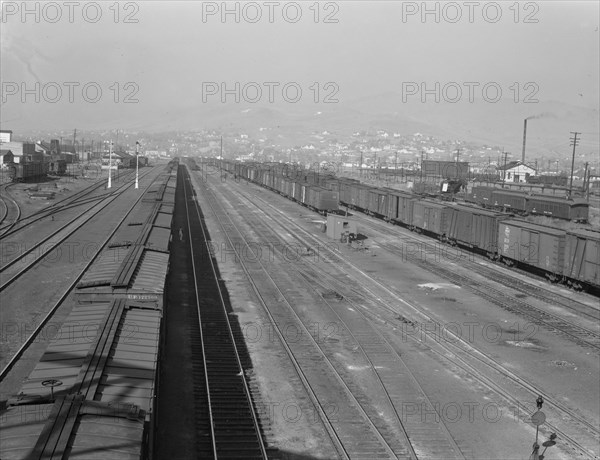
<point>582,258</point>
<point>426,188</point>
<point>474,227</point>
<point>481,195</point>
<point>23,172</point>
<point>400,207</point>
<point>429,217</point>
<point>563,208</point>
<point>539,246</point>
<point>321,199</point>
<point>509,200</point>
<point>377,202</point>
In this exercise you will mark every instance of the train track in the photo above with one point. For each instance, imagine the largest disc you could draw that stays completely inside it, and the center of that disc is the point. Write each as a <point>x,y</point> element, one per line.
<point>582,336</point>
<point>35,333</point>
<point>232,418</point>
<point>429,439</point>
<point>374,437</point>
<point>462,353</point>
<point>492,272</point>
<point>26,259</point>
<point>77,199</point>
<point>11,211</point>
<point>352,432</point>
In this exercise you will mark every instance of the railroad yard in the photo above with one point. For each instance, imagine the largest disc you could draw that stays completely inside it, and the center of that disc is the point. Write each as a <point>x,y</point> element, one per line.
<point>205,316</point>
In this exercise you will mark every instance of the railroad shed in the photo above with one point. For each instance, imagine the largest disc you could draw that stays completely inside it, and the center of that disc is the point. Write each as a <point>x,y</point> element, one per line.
<point>340,225</point>
<point>516,171</point>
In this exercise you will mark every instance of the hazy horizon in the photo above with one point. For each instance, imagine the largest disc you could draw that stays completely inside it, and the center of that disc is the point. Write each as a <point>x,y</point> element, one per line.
<point>158,65</point>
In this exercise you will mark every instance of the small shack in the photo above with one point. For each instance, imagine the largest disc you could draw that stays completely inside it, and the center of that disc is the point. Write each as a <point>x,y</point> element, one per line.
<point>340,226</point>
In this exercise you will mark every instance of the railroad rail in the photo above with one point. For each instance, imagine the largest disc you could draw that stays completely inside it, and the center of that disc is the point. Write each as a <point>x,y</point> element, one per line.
<point>22,263</point>
<point>429,439</point>
<point>11,211</point>
<point>586,338</point>
<point>69,202</point>
<point>492,272</point>
<point>65,293</point>
<point>232,418</point>
<point>461,351</point>
<point>358,431</point>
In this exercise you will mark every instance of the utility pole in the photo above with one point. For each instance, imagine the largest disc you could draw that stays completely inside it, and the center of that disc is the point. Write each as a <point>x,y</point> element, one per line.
<point>504,171</point>
<point>422,154</point>
<point>137,151</point>
<point>110,166</point>
<point>74,136</point>
<point>396,167</point>
<point>360,165</point>
<point>586,181</point>
<point>574,143</point>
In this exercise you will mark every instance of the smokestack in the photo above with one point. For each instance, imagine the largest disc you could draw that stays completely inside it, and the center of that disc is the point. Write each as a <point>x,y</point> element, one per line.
<point>524,140</point>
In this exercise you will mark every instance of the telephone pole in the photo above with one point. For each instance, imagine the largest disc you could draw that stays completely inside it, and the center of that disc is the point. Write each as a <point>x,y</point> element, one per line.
<point>586,181</point>
<point>504,172</point>
<point>574,143</point>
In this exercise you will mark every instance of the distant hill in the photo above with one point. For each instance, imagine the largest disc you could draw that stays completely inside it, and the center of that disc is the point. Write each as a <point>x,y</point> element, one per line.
<point>499,124</point>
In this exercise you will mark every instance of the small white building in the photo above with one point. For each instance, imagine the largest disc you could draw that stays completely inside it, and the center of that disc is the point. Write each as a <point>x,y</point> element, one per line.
<point>515,171</point>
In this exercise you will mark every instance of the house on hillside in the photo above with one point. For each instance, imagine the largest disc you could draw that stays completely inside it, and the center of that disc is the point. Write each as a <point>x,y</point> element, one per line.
<point>515,171</point>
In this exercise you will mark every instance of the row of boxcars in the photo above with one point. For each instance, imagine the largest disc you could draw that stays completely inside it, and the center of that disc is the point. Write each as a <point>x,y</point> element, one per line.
<point>93,393</point>
<point>322,198</point>
<point>523,203</point>
<point>572,257</point>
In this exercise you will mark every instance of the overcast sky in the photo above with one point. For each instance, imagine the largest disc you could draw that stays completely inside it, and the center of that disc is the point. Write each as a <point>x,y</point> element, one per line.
<point>169,49</point>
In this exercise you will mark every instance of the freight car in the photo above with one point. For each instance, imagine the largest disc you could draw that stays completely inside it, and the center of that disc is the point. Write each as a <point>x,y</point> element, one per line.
<point>582,259</point>
<point>25,172</point>
<point>93,393</point>
<point>522,203</point>
<point>474,228</point>
<point>537,246</point>
<point>569,257</point>
<point>575,209</point>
